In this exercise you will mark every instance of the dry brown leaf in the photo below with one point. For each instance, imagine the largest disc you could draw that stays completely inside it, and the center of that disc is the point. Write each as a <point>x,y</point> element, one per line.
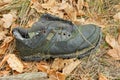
<point>2,3</point>
<point>7,41</point>
<point>52,72</point>
<point>4,73</point>
<point>49,4</point>
<point>80,4</point>
<point>7,1</point>
<point>43,66</point>
<point>1,22</point>
<point>80,13</point>
<point>64,9</point>
<point>14,14</point>
<point>102,77</point>
<point>4,60</point>
<point>37,6</point>
<point>54,75</point>
<point>68,69</point>
<point>60,76</point>
<point>7,70</point>
<point>2,35</point>
<point>119,39</point>
<point>72,14</point>
<point>117,16</point>
<point>115,52</point>
<point>59,63</point>
<point>111,41</point>
<point>8,19</point>
<point>15,63</point>
<point>5,45</point>
<point>62,6</point>
<point>117,7</point>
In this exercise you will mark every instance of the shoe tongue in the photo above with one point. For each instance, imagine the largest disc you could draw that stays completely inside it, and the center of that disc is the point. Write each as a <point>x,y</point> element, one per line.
<point>31,34</point>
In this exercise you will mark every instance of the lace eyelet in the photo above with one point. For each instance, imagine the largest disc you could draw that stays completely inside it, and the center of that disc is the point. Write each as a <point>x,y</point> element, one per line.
<point>64,34</point>
<point>69,35</point>
<point>44,31</point>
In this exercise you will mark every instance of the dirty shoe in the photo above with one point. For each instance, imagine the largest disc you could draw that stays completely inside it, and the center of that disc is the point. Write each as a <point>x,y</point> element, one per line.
<point>54,37</point>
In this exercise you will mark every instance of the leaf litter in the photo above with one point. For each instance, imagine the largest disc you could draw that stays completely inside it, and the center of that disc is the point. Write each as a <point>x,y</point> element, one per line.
<point>65,66</point>
<point>115,44</point>
<point>13,62</point>
<point>72,10</point>
<point>102,77</point>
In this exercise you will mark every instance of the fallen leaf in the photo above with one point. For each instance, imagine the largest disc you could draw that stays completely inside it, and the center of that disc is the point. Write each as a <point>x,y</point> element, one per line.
<point>117,7</point>
<point>5,45</point>
<point>52,74</point>
<point>117,16</point>
<point>7,1</point>
<point>80,4</point>
<point>1,22</point>
<point>72,14</point>
<point>80,13</point>
<point>8,19</point>
<point>62,6</point>
<point>68,69</point>
<point>2,35</point>
<point>60,63</point>
<point>62,9</point>
<point>119,39</point>
<point>15,63</point>
<point>52,77</point>
<point>4,60</point>
<point>115,51</point>
<point>60,76</point>
<point>14,14</point>
<point>43,66</point>
<point>102,77</point>
<point>49,4</point>
<point>53,70</point>
<point>2,3</point>
<point>111,41</point>
<point>55,75</point>
<point>4,73</point>
<point>37,6</point>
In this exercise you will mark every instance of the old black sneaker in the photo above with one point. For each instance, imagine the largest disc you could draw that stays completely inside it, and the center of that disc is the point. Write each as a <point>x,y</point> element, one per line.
<point>54,37</point>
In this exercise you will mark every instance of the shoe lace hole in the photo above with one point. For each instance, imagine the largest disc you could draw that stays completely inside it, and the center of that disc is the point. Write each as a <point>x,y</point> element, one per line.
<point>44,31</point>
<point>64,34</point>
<point>69,35</point>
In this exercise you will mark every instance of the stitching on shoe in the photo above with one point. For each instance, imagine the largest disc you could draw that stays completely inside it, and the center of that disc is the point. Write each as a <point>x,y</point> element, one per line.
<point>84,37</point>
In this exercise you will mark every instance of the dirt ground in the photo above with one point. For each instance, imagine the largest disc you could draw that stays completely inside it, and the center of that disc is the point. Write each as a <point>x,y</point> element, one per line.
<point>100,12</point>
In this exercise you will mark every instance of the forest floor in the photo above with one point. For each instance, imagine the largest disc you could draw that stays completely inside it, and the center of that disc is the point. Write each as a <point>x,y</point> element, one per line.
<point>104,64</point>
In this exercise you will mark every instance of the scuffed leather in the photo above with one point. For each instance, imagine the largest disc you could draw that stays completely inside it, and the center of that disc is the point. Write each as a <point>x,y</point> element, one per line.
<point>67,38</point>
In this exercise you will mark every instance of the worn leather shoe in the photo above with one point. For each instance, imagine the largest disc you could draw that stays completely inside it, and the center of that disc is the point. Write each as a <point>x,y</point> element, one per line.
<point>54,37</point>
